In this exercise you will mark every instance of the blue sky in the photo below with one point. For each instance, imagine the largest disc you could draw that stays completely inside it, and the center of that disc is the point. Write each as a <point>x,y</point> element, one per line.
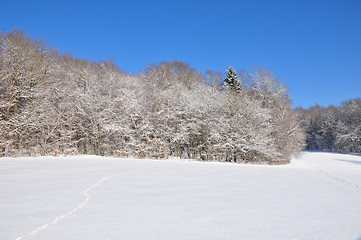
<point>314,46</point>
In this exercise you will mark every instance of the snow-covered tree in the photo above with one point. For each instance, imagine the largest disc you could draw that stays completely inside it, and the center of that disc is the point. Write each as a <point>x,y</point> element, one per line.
<point>25,67</point>
<point>348,136</point>
<point>58,104</point>
<point>333,128</point>
<point>232,81</point>
<point>267,94</point>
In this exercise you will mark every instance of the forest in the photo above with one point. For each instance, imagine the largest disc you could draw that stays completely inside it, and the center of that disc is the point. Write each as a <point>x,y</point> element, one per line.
<point>53,103</point>
<point>334,129</point>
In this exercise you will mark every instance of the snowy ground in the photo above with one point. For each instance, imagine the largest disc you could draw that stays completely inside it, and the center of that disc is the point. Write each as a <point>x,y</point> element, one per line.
<point>87,197</point>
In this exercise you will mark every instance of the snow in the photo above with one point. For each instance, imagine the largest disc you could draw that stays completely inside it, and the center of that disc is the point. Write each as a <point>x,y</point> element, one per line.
<point>86,197</point>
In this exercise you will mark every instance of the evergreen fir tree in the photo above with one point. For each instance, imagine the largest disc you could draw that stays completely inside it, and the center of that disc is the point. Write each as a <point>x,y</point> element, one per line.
<point>232,81</point>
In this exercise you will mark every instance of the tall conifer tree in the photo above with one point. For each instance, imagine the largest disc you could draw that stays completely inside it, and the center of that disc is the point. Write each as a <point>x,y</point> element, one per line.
<point>232,81</point>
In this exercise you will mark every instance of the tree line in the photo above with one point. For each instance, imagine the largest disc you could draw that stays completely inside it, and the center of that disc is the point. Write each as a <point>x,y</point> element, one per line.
<point>336,129</point>
<point>52,103</point>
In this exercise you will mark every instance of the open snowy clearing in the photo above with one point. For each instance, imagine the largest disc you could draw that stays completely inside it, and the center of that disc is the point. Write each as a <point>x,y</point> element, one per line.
<point>315,197</point>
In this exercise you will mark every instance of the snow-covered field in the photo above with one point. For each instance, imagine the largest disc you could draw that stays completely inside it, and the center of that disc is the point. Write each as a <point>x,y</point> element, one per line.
<point>315,197</point>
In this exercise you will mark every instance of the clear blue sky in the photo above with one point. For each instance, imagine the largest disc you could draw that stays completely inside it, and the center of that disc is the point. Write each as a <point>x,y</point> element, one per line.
<point>314,46</point>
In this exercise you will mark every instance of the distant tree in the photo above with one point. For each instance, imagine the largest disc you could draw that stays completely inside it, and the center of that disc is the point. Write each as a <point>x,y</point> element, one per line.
<point>348,135</point>
<point>333,128</point>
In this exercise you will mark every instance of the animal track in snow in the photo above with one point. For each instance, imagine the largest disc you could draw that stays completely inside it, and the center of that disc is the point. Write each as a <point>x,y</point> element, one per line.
<point>344,181</point>
<point>71,212</point>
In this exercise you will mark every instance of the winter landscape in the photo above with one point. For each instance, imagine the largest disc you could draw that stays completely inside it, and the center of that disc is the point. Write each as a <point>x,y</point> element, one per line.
<point>180,120</point>
<point>87,197</point>
<point>90,152</point>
